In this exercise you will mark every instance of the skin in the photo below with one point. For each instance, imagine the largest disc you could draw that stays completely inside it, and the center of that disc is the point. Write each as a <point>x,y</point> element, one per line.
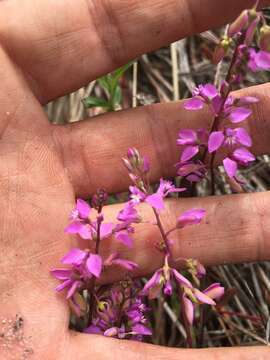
<point>49,48</point>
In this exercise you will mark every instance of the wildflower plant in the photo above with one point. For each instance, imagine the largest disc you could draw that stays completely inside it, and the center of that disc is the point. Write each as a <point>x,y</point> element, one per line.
<point>121,309</point>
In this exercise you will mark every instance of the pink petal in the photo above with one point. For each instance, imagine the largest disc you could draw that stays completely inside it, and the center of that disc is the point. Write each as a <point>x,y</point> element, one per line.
<point>74,227</point>
<point>187,137</point>
<point>188,308</point>
<point>203,298</point>
<point>85,232</point>
<point>106,230</point>
<point>239,114</point>
<point>141,330</point>
<point>209,91</point>
<point>63,285</point>
<point>243,155</point>
<point>124,238</point>
<point>153,281</point>
<point>94,264</point>
<point>181,279</point>
<point>73,289</point>
<point>230,167</point>
<point>61,274</point>
<point>262,60</point>
<point>243,137</point>
<point>215,141</point>
<point>214,291</point>
<point>189,152</point>
<point>74,257</point>
<point>246,100</point>
<point>156,201</point>
<point>126,264</point>
<point>191,217</point>
<point>216,104</point>
<point>111,332</point>
<point>92,329</point>
<point>83,208</point>
<point>194,104</point>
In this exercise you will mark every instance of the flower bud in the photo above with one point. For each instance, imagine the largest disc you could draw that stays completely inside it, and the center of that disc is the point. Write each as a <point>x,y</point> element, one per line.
<point>222,49</point>
<point>239,24</point>
<point>264,40</point>
<point>113,331</point>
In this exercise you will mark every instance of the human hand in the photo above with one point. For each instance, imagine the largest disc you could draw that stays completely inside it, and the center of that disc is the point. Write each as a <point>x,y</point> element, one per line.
<point>49,48</point>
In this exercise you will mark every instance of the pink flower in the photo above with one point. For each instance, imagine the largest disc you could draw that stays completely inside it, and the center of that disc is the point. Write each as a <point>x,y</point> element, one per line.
<point>259,60</point>
<point>193,171</point>
<point>203,94</point>
<point>114,259</point>
<point>193,296</point>
<point>166,187</point>
<point>84,266</point>
<point>190,217</point>
<point>156,200</point>
<point>162,278</point>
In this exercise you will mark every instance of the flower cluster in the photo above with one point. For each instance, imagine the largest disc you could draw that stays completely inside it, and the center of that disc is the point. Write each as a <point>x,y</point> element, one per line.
<point>199,147</point>
<point>232,141</point>
<point>119,310</point>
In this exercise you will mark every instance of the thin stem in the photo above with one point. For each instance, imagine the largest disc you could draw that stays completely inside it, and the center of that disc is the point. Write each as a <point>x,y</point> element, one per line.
<point>212,173</point>
<point>93,281</point>
<point>163,233</point>
<point>170,231</point>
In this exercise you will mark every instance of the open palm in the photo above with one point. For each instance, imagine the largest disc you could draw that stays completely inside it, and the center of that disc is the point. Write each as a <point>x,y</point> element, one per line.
<point>52,47</point>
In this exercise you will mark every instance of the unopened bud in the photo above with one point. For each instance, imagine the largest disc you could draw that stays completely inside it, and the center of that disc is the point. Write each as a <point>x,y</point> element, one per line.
<point>111,332</point>
<point>251,31</point>
<point>127,164</point>
<point>239,24</point>
<point>264,41</point>
<point>222,49</point>
<point>146,165</point>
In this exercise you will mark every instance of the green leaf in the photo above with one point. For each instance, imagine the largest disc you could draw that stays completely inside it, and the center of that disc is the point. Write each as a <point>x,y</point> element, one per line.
<point>119,72</point>
<point>117,96</point>
<point>92,101</point>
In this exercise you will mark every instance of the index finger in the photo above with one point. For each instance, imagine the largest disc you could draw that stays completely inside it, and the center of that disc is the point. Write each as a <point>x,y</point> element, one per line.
<point>63,44</point>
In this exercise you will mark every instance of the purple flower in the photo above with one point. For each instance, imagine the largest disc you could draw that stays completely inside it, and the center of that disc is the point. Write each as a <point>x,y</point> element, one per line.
<point>259,60</point>
<point>166,187</point>
<point>129,214</point>
<point>214,291</point>
<point>124,237</point>
<point>203,94</point>
<point>190,217</point>
<point>193,171</point>
<point>215,141</point>
<point>70,280</point>
<point>188,309</point>
<point>230,167</point>
<point>243,156</point>
<point>94,264</point>
<point>238,136</point>
<point>84,266</point>
<point>82,225</point>
<point>162,278</point>
<point>113,259</point>
<point>194,104</point>
<point>239,114</point>
<point>120,313</point>
<point>140,329</point>
<point>156,200</point>
<point>193,296</point>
